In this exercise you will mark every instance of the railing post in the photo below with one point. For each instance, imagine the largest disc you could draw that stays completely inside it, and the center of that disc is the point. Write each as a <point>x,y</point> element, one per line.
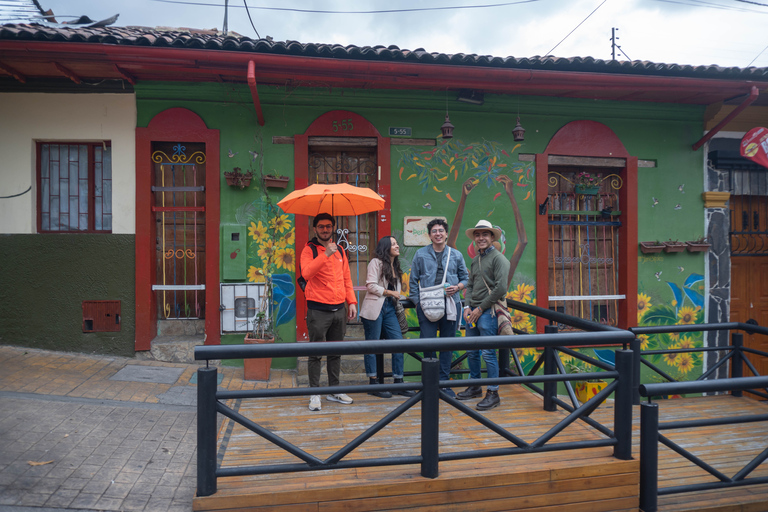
<point>634,346</point>
<point>430,417</point>
<point>622,409</point>
<point>649,457</point>
<point>550,368</point>
<point>504,361</point>
<point>206,431</point>
<point>737,361</point>
<point>380,368</point>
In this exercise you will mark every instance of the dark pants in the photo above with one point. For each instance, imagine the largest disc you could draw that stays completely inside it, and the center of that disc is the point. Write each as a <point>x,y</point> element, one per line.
<point>429,329</point>
<point>325,326</point>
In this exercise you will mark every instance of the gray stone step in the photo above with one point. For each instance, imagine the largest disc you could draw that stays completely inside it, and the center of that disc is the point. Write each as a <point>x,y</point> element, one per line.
<point>174,349</point>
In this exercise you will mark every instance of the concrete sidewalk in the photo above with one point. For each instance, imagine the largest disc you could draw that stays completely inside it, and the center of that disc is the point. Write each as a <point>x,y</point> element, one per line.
<point>81,432</point>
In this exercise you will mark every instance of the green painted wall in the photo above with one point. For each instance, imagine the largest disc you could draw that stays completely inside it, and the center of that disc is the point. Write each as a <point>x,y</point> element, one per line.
<point>483,143</point>
<point>45,279</point>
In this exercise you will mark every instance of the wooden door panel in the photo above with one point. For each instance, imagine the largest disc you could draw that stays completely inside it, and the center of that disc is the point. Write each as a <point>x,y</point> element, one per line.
<point>749,300</point>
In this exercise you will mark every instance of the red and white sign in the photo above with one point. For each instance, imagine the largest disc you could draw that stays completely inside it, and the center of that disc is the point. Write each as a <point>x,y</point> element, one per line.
<point>754,146</point>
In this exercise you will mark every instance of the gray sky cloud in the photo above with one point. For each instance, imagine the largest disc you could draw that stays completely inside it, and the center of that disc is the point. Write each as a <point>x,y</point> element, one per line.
<point>722,32</point>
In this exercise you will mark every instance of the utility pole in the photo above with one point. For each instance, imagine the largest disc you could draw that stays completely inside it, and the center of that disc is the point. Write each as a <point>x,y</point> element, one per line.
<point>613,42</point>
<point>226,5</point>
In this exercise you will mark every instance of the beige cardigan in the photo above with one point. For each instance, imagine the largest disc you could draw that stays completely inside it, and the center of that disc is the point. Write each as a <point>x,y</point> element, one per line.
<point>374,299</point>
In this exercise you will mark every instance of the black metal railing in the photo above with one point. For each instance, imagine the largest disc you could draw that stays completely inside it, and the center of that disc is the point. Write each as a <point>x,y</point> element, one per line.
<point>211,402</point>
<point>650,437</point>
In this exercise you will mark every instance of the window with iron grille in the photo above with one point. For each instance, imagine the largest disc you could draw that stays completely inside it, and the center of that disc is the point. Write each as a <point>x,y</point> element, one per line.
<point>74,184</point>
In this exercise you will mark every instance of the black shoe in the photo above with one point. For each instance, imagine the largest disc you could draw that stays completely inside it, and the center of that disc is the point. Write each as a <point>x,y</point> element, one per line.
<point>490,401</point>
<point>407,393</point>
<point>470,392</point>
<point>380,394</point>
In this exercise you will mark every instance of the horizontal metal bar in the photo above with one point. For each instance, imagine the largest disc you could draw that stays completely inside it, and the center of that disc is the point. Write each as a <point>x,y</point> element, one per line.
<point>560,318</point>
<point>295,468</point>
<point>680,350</point>
<point>705,386</point>
<point>411,345</point>
<point>325,390</point>
<point>726,326</point>
<point>586,297</point>
<point>178,287</point>
<point>178,189</point>
<point>584,223</point>
<point>664,491</point>
<point>499,452</point>
<point>708,422</point>
<point>174,209</point>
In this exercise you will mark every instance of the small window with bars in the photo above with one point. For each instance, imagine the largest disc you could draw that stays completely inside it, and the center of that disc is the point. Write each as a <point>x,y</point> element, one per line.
<point>74,187</point>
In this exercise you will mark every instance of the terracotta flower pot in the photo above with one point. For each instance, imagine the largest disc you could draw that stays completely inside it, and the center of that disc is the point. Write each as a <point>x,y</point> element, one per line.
<point>651,247</point>
<point>697,246</point>
<point>276,181</point>
<point>257,368</point>
<point>674,246</point>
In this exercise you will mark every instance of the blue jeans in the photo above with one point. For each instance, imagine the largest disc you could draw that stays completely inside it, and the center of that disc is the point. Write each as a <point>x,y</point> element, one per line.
<point>387,325</point>
<point>487,325</point>
<point>429,330</point>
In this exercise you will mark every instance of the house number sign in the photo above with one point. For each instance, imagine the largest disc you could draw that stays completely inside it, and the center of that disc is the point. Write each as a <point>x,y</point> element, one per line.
<point>345,125</point>
<point>402,131</point>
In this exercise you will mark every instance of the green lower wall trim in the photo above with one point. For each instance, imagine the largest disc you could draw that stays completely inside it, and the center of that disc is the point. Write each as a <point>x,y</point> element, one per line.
<point>45,279</point>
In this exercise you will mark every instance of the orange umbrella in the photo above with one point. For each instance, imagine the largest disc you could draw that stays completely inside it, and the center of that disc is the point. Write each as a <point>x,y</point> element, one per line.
<point>340,199</point>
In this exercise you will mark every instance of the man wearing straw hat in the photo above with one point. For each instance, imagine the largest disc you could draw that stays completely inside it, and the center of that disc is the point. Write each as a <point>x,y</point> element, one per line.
<point>487,284</point>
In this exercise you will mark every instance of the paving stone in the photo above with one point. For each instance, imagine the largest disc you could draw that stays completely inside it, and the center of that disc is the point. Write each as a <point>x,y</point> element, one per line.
<point>156,374</point>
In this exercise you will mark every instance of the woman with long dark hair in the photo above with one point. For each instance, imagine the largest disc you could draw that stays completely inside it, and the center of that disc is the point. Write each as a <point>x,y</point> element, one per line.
<point>378,310</point>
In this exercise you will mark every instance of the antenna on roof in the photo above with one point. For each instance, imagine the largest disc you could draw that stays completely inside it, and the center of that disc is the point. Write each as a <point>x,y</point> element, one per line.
<point>613,42</point>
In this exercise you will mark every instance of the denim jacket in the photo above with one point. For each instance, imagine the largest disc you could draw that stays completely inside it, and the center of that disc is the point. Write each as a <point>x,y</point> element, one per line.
<point>424,271</point>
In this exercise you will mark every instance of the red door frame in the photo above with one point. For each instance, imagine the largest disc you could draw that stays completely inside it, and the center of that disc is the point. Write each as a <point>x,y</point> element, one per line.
<point>591,139</point>
<point>330,125</point>
<point>174,125</point>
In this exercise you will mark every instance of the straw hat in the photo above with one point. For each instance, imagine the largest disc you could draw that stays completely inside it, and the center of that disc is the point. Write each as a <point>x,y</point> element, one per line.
<point>484,225</point>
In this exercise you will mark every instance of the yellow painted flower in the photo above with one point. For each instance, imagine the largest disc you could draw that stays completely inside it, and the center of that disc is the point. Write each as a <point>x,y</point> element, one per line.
<point>257,231</point>
<point>687,343</point>
<point>643,305</point>
<point>644,340</point>
<point>404,284</point>
<point>674,303</point>
<point>565,358</point>
<point>670,358</point>
<point>255,275</point>
<point>674,336</point>
<point>684,363</point>
<point>520,321</point>
<point>522,293</point>
<point>267,250</point>
<point>686,316</point>
<point>285,258</point>
<point>291,238</point>
<point>280,223</point>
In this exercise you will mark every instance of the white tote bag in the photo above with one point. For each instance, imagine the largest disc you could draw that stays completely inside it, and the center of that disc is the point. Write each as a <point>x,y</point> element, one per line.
<point>432,298</point>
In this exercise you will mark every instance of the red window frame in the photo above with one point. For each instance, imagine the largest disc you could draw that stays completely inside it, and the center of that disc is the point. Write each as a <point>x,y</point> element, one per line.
<point>45,181</point>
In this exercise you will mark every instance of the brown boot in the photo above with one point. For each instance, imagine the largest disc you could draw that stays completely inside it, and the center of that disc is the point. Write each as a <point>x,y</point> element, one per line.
<point>490,401</point>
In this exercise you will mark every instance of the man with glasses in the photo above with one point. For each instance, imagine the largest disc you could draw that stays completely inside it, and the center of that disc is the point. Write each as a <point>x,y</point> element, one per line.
<point>329,288</point>
<point>429,265</point>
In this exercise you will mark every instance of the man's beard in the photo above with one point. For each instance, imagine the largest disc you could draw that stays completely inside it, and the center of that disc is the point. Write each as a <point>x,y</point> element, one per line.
<point>324,238</point>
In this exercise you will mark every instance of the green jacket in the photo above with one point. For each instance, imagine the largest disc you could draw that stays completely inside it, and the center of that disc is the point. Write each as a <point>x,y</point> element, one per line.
<point>495,269</point>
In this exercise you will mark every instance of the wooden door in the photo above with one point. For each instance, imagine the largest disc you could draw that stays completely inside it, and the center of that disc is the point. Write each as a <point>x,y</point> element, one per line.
<point>179,213</point>
<point>357,235</point>
<point>749,300</point>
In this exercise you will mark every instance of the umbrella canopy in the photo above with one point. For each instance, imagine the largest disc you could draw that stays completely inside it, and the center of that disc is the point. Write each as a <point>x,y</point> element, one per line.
<point>337,199</point>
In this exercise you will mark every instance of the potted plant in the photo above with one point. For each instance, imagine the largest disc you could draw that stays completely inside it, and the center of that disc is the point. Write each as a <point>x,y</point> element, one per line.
<point>586,183</point>
<point>262,332</point>
<point>275,180</point>
<point>651,247</point>
<point>585,389</point>
<point>674,246</point>
<point>237,178</point>
<point>698,245</point>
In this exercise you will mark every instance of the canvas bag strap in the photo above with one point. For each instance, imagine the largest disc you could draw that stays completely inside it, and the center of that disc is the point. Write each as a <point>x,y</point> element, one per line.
<point>445,266</point>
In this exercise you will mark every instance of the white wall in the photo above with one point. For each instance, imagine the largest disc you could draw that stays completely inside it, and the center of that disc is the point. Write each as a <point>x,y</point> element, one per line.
<point>28,118</point>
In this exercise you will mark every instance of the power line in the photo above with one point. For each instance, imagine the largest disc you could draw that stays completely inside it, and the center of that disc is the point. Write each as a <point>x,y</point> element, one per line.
<point>389,11</point>
<point>574,30</point>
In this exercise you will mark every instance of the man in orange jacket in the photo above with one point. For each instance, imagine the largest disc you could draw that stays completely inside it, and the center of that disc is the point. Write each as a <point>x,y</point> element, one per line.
<point>329,288</point>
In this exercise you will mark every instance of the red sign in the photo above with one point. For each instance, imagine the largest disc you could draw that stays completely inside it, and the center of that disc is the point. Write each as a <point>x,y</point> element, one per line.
<point>754,146</point>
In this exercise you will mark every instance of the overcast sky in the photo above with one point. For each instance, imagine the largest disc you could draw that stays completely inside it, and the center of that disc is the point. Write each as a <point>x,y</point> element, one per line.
<point>697,32</point>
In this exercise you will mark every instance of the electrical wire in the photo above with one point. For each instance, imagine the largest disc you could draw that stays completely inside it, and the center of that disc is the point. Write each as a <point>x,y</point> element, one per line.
<point>250,19</point>
<point>387,11</point>
<point>577,26</point>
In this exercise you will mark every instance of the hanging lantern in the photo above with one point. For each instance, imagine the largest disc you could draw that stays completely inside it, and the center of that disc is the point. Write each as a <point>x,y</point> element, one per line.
<point>518,132</point>
<point>447,128</point>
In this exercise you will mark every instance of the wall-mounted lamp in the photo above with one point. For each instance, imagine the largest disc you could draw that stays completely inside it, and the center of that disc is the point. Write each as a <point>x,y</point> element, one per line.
<point>471,96</point>
<point>518,132</point>
<point>447,128</point>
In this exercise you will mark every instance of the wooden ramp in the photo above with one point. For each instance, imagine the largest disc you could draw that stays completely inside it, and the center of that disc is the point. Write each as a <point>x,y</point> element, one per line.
<point>575,480</point>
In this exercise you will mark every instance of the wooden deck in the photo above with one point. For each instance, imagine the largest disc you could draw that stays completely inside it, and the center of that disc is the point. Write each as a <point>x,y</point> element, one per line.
<point>582,480</point>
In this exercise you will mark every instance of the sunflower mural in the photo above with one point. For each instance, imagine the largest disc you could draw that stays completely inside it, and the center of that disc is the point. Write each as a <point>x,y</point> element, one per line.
<point>684,306</point>
<point>272,254</point>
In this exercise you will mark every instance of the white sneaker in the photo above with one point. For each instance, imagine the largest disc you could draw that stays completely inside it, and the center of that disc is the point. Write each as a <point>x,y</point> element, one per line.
<point>314,403</point>
<point>341,398</point>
